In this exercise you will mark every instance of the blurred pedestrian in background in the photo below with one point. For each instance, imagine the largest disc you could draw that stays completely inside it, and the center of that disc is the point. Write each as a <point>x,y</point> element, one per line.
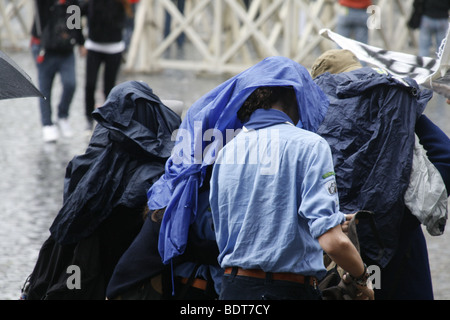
<point>352,19</point>
<point>434,24</point>
<point>129,24</point>
<point>105,45</point>
<point>167,26</point>
<point>52,44</point>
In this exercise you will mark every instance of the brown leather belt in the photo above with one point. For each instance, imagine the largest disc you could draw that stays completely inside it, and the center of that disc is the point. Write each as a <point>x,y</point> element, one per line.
<point>283,276</point>
<point>197,283</point>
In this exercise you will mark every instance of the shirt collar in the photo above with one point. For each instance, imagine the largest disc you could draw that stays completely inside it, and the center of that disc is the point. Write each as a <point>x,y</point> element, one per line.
<point>262,118</point>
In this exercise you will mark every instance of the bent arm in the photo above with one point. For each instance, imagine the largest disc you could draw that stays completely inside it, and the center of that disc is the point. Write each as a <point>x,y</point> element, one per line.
<point>339,247</point>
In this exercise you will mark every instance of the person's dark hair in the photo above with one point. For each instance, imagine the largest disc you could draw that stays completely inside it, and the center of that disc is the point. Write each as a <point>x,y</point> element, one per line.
<point>265,98</point>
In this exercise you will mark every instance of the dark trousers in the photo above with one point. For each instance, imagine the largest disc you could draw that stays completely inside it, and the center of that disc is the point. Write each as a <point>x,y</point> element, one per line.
<point>93,62</point>
<point>247,288</point>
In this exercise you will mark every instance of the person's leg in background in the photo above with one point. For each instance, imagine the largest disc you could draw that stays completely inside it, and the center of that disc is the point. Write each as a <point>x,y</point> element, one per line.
<point>361,31</point>
<point>441,32</point>
<point>93,62</point>
<point>68,79</point>
<point>112,67</point>
<point>343,26</point>
<point>46,74</point>
<point>425,36</point>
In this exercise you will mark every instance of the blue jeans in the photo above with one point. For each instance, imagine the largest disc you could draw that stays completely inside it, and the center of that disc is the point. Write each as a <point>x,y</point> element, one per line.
<point>247,288</point>
<point>180,5</point>
<point>353,24</point>
<point>431,28</point>
<point>54,63</point>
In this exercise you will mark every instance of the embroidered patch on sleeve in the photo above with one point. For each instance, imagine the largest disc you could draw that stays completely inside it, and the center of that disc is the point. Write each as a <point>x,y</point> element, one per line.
<point>331,187</point>
<point>328,174</point>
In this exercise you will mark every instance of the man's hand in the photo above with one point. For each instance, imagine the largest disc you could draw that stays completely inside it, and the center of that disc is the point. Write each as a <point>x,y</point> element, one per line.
<point>348,218</point>
<point>364,292</point>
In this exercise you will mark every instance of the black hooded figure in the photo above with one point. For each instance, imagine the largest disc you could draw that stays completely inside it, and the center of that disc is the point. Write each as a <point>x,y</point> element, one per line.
<point>105,193</point>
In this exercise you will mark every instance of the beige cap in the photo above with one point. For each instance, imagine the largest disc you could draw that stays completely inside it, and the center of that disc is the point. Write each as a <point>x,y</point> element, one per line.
<point>335,61</point>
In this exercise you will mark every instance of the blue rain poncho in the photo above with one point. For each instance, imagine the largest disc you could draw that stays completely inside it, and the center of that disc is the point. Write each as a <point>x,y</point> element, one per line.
<point>370,129</point>
<point>196,146</point>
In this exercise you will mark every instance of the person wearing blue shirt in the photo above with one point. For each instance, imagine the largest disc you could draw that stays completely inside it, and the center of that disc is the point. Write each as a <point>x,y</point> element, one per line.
<point>275,206</point>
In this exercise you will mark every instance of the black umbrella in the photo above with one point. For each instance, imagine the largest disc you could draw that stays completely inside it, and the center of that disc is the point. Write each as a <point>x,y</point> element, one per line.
<point>14,82</point>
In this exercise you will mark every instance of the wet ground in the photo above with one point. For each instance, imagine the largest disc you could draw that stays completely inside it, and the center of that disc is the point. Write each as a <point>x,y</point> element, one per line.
<point>32,172</point>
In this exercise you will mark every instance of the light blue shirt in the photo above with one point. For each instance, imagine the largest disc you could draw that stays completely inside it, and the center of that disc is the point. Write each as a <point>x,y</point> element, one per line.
<point>273,193</point>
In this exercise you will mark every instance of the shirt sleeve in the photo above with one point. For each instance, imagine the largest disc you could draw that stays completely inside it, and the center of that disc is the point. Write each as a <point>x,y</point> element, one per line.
<point>319,195</point>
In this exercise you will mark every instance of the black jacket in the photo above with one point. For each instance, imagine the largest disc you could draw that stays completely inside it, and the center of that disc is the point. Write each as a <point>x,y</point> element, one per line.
<point>46,12</point>
<point>106,20</point>
<point>436,9</point>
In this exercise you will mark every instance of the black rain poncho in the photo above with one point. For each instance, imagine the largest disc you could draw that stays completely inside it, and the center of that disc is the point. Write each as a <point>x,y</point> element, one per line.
<point>126,155</point>
<point>105,194</point>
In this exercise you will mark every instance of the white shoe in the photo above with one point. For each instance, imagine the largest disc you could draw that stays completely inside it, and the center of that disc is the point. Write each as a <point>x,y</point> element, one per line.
<point>50,133</point>
<point>65,128</point>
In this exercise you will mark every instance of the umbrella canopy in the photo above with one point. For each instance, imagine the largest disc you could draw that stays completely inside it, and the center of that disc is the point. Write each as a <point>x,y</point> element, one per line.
<point>14,82</point>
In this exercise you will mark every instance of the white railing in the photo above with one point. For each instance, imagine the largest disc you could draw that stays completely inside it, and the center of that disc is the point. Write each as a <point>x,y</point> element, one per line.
<point>225,35</point>
<point>15,21</point>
